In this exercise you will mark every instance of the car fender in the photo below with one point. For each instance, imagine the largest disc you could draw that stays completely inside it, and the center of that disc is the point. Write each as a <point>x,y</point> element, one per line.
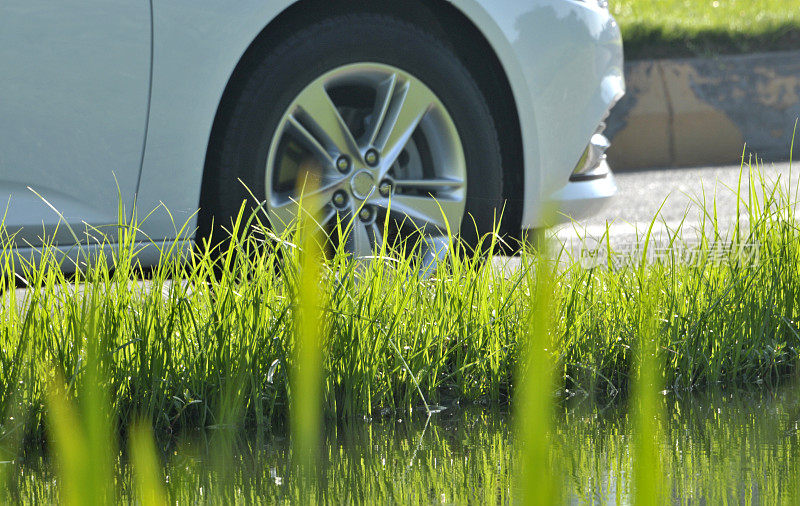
<point>564,62</point>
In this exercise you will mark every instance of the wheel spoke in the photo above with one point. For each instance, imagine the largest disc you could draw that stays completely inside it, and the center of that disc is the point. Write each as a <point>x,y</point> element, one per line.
<point>315,202</point>
<point>327,215</point>
<point>358,240</point>
<point>427,211</point>
<point>324,122</point>
<point>385,93</point>
<point>377,234</point>
<point>311,142</point>
<point>434,250</point>
<point>429,184</point>
<point>409,104</point>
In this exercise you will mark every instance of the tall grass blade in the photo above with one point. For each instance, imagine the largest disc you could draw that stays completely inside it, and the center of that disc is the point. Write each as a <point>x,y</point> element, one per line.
<point>646,466</point>
<point>146,467</point>
<point>306,373</point>
<point>533,405</point>
<point>84,468</point>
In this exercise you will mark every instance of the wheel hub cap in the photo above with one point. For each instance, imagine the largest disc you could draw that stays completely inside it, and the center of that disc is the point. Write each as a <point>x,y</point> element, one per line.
<point>362,184</point>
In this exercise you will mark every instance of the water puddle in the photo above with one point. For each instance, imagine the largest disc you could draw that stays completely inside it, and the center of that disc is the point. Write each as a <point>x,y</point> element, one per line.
<point>736,447</point>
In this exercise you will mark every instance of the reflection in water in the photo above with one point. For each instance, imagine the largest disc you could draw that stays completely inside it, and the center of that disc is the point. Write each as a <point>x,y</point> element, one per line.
<point>737,447</point>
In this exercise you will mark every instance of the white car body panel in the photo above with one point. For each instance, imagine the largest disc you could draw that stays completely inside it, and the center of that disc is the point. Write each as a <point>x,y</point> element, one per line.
<point>74,85</point>
<point>196,49</point>
<point>563,59</point>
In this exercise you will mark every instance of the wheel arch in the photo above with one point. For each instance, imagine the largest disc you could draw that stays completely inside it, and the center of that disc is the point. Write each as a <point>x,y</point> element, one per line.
<point>443,18</point>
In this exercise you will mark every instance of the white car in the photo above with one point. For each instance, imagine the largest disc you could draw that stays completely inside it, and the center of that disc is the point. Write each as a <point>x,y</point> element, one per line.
<point>452,110</point>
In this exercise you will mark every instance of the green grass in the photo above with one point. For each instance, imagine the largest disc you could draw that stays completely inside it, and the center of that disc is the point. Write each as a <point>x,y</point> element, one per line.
<point>229,341</point>
<point>668,28</point>
<point>181,353</point>
<point>266,330</point>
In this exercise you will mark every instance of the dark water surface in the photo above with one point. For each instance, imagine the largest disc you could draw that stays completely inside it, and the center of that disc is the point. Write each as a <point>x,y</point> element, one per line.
<point>737,447</point>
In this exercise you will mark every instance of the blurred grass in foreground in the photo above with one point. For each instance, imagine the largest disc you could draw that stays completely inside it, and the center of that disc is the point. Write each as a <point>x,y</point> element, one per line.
<point>533,400</point>
<point>670,28</point>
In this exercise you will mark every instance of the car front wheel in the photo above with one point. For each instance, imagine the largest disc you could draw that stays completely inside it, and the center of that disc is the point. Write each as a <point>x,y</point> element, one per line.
<point>373,121</point>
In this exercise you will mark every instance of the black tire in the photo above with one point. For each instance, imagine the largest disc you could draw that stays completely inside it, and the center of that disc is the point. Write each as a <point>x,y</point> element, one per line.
<point>273,83</point>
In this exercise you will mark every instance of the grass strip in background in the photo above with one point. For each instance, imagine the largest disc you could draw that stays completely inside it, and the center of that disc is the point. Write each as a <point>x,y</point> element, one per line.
<point>674,28</point>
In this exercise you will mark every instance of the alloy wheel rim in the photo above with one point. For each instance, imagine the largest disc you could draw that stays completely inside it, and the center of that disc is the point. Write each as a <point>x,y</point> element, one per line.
<point>373,145</point>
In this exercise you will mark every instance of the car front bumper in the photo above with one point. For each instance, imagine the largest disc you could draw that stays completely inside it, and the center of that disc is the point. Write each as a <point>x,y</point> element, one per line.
<point>577,200</point>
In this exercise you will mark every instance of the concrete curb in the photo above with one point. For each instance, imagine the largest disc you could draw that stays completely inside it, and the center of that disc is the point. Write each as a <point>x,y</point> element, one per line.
<point>698,111</point>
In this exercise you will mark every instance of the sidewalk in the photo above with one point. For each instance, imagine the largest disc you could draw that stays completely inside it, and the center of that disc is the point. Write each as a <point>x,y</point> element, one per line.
<point>695,111</point>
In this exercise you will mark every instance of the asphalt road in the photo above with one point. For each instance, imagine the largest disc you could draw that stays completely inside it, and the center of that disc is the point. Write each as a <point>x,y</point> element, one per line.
<point>641,194</point>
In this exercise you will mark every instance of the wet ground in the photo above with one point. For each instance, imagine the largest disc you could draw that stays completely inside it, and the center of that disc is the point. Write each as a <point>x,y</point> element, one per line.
<point>714,448</point>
